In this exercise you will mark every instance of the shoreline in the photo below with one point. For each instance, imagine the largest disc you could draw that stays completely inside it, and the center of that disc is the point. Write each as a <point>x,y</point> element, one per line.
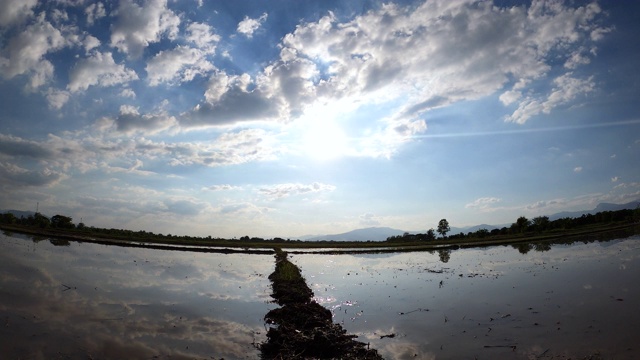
<point>326,247</point>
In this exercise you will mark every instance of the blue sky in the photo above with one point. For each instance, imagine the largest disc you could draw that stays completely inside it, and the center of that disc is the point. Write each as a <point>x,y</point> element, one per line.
<point>287,118</point>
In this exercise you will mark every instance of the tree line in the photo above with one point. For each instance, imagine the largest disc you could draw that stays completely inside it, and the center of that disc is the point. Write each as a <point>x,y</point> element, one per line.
<point>520,228</point>
<point>525,227</point>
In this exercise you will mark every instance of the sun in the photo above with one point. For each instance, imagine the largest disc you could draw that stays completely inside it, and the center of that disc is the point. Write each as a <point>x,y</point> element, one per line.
<point>324,140</point>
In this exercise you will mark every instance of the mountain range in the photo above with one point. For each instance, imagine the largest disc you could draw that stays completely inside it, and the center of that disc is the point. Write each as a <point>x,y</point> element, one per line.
<point>382,233</point>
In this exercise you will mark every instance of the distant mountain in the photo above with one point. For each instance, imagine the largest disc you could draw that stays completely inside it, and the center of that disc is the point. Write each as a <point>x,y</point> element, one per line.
<point>457,230</point>
<point>372,233</point>
<point>600,208</point>
<point>382,233</point>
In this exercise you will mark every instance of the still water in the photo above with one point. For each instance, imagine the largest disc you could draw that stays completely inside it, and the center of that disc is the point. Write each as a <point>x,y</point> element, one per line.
<point>579,301</point>
<point>79,301</point>
<point>88,301</point>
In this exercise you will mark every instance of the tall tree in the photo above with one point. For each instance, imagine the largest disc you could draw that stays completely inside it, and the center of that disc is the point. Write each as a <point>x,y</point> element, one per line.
<point>443,227</point>
<point>541,223</point>
<point>431,235</point>
<point>61,221</point>
<point>522,223</point>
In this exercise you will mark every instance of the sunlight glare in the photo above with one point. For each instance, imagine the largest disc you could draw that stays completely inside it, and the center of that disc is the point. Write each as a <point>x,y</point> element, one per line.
<point>324,140</point>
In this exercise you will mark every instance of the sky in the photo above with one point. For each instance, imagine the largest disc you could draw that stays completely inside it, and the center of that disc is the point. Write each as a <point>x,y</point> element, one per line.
<point>291,118</point>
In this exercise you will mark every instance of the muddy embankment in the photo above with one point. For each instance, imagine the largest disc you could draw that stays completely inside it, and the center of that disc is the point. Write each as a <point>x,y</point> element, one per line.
<point>301,328</point>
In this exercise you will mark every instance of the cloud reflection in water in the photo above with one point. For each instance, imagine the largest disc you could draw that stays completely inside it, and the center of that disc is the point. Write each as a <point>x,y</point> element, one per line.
<point>109,302</point>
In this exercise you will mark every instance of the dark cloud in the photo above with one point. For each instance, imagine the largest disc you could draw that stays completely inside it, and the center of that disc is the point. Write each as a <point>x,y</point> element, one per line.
<point>235,105</point>
<point>129,120</point>
<point>16,176</point>
<point>432,102</point>
<point>184,207</point>
<point>13,146</point>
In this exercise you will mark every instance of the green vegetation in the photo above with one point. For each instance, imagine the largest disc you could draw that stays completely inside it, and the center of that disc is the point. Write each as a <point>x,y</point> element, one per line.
<point>288,284</point>
<point>443,227</point>
<point>522,230</point>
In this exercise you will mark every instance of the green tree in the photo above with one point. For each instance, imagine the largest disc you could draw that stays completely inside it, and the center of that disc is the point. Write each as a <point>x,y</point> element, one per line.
<point>40,220</point>
<point>61,221</point>
<point>431,235</point>
<point>8,218</point>
<point>522,224</point>
<point>541,223</point>
<point>482,233</point>
<point>443,227</point>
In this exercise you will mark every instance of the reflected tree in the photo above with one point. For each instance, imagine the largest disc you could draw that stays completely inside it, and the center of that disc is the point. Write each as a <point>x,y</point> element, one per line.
<point>523,248</point>
<point>543,246</point>
<point>445,255</point>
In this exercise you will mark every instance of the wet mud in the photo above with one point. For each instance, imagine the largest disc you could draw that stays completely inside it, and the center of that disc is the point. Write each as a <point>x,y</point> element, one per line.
<point>302,328</point>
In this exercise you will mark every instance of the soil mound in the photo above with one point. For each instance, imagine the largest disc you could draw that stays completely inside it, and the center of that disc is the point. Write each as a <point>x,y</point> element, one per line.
<point>302,328</point>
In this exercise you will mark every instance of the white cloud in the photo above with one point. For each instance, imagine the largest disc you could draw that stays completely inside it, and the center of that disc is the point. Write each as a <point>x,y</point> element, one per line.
<point>577,169</point>
<point>227,149</point>
<point>14,11</point>
<point>599,33</point>
<point>94,12</point>
<point>180,64</point>
<point>483,203</point>
<point>509,97</point>
<point>221,187</point>
<point>425,57</point>
<point>25,53</point>
<point>285,190</point>
<point>615,179</point>
<point>566,88</point>
<point>369,219</point>
<point>576,59</point>
<point>57,98</point>
<point>99,69</point>
<point>202,35</point>
<point>90,43</point>
<point>128,93</point>
<point>248,26</point>
<point>137,26</point>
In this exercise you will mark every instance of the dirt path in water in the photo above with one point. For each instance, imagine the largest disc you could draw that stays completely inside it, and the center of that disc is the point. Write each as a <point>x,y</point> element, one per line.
<point>302,328</point>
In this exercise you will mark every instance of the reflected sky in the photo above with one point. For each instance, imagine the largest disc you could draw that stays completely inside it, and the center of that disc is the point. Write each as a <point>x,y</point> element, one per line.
<point>570,301</point>
<point>95,301</point>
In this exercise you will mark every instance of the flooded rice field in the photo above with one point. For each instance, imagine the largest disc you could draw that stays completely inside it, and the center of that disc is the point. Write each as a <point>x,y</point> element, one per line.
<point>86,301</point>
<point>578,301</point>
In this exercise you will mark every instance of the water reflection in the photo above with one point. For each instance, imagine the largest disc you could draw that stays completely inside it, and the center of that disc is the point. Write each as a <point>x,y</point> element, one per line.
<point>521,301</point>
<point>561,301</point>
<point>93,301</point>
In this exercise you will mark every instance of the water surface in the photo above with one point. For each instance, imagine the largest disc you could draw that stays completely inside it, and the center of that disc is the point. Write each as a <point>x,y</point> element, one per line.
<point>75,300</point>
<point>564,301</point>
